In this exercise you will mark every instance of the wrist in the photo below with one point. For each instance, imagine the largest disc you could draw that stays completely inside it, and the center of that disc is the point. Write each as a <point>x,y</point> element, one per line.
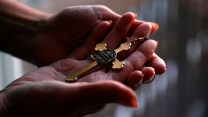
<point>20,38</point>
<point>20,26</point>
<point>3,110</point>
<point>16,11</point>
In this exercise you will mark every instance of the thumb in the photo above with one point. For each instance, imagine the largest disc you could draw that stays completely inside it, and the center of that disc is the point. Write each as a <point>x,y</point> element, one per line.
<point>104,92</point>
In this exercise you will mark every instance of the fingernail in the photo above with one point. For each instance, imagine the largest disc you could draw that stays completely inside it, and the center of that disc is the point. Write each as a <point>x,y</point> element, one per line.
<point>162,71</point>
<point>140,82</point>
<point>155,25</point>
<point>136,86</point>
<point>150,80</point>
<point>129,100</point>
<point>134,103</point>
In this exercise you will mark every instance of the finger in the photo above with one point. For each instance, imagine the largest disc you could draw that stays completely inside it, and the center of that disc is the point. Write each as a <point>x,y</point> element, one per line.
<point>119,30</point>
<point>144,30</point>
<point>102,93</point>
<point>146,75</point>
<point>137,23</point>
<point>155,27</point>
<point>137,59</point>
<point>82,98</point>
<point>135,78</point>
<point>149,74</point>
<point>158,64</point>
<point>98,32</point>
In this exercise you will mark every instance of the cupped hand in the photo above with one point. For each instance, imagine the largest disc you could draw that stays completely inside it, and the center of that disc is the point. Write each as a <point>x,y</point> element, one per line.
<point>67,30</point>
<point>144,53</point>
<point>51,98</point>
<point>44,92</point>
<point>61,33</point>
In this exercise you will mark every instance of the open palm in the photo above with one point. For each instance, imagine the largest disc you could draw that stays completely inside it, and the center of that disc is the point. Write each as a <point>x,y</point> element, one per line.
<point>44,93</point>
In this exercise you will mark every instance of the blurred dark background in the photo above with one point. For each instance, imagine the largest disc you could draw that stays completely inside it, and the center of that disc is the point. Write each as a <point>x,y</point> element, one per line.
<point>183,43</point>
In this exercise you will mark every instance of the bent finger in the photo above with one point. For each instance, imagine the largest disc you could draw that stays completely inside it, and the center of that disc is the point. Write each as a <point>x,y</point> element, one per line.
<point>158,64</point>
<point>119,30</point>
<point>137,23</point>
<point>102,93</point>
<point>149,74</point>
<point>135,78</point>
<point>136,60</point>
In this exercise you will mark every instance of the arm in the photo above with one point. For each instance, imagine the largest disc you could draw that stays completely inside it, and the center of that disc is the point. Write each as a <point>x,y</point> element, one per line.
<point>3,111</point>
<point>54,97</point>
<point>43,38</point>
<point>31,34</point>
<point>59,98</point>
<point>19,25</point>
<point>19,13</point>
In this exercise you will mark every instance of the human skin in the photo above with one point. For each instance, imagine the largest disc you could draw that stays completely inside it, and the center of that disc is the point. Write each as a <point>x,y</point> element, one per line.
<point>32,35</point>
<point>69,51</point>
<point>43,92</point>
